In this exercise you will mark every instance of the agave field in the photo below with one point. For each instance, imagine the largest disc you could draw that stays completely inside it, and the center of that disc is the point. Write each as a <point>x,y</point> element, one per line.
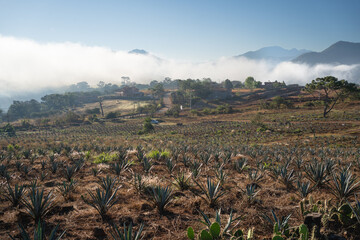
<point>205,179</point>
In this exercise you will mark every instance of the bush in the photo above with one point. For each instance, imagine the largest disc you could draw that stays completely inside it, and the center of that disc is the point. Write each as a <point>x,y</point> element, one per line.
<point>8,129</point>
<point>224,109</point>
<point>93,111</point>
<point>277,103</point>
<point>154,154</point>
<point>105,157</point>
<point>147,127</point>
<point>111,115</point>
<point>174,111</point>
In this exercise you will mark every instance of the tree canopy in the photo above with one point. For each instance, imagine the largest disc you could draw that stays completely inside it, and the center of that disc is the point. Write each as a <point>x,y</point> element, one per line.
<point>250,82</point>
<point>331,90</point>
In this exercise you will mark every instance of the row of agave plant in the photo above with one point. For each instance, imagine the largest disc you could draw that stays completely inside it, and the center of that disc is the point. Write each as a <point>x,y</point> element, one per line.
<point>326,173</point>
<point>342,183</point>
<point>206,132</point>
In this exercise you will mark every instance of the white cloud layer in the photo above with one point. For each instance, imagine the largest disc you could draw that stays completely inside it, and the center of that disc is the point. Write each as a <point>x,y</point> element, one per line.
<point>26,66</point>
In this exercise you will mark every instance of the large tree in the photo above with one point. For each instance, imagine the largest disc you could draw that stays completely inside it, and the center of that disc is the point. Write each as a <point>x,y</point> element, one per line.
<point>251,83</point>
<point>330,90</point>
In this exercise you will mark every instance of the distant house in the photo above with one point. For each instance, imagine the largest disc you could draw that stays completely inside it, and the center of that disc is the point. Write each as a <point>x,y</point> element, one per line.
<point>130,92</point>
<point>272,85</point>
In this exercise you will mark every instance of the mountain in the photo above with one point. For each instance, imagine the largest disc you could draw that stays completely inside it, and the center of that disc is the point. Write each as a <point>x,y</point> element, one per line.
<point>339,53</point>
<point>274,53</point>
<point>139,51</point>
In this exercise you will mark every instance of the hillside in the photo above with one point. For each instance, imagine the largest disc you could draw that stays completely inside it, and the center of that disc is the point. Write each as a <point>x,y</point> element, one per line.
<point>339,53</point>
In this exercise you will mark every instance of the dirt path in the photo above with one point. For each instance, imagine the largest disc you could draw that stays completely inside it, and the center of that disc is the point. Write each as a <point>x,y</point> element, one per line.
<point>167,103</point>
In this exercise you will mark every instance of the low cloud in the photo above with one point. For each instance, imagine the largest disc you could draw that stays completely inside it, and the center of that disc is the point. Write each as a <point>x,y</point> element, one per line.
<point>26,66</point>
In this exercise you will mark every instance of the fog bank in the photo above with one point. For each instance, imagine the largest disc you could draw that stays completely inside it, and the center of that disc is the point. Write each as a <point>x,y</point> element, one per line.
<point>26,66</point>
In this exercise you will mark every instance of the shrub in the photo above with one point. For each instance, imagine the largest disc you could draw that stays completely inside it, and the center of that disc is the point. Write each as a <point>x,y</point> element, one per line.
<point>147,126</point>
<point>93,111</point>
<point>111,115</point>
<point>105,157</point>
<point>173,111</point>
<point>154,154</point>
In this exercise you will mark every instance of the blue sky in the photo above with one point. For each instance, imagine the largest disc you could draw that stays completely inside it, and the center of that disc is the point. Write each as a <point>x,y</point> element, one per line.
<point>191,30</point>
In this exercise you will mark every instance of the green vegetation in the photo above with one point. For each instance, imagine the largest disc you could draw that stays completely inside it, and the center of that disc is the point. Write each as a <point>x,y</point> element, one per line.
<point>331,90</point>
<point>105,157</point>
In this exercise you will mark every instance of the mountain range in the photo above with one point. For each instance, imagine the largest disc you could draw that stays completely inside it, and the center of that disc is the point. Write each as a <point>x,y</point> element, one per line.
<point>341,52</point>
<point>274,53</point>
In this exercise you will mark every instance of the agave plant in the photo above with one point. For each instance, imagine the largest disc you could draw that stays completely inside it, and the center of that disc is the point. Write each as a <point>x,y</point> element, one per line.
<point>316,172</point>
<point>18,165</point>
<point>330,165</point>
<point>170,165</point>
<point>39,233</point>
<point>195,168</point>
<point>14,196</point>
<point>121,165</point>
<point>344,184</point>
<point>108,183</point>
<point>139,184</point>
<point>128,233</point>
<point>255,176</point>
<point>54,166</point>
<point>38,204</point>
<point>250,192</point>
<point>220,174</point>
<point>69,172</point>
<point>282,222</point>
<point>356,209</point>
<point>181,181</point>
<point>66,188</point>
<point>43,164</point>
<point>213,192</point>
<point>286,176</point>
<point>95,171</point>
<point>161,197</point>
<point>185,160</point>
<point>102,200</point>
<point>240,165</point>
<point>26,169</point>
<point>147,164</point>
<point>304,189</point>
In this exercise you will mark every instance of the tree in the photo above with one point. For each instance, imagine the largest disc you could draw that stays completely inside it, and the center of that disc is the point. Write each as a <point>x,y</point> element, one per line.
<point>331,90</point>
<point>228,84</point>
<point>251,83</point>
<point>158,90</point>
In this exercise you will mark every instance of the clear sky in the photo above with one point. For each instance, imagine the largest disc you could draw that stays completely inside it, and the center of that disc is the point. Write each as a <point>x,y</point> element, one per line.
<point>185,29</point>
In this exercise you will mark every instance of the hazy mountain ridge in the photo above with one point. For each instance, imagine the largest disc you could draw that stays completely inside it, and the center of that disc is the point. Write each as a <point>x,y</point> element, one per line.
<point>138,51</point>
<point>274,53</point>
<point>341,52</point>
